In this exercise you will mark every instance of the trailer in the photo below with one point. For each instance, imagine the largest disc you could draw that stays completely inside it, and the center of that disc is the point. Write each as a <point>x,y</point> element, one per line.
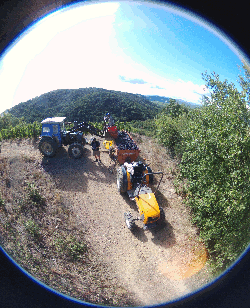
<point>121,145</point>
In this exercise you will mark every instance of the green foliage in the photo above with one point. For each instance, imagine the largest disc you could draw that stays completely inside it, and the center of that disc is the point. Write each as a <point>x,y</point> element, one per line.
<point>34,195</point>
<point>32,228</point>
<point>98,125</point>
<point>174,109</point>
<point>170,124</point>
<point>147,127</point>
<point>216,163</point>
<point>2,203</point>
<point>8,120</point>
<point>75,249</point>
<point>123,126</point>
<point>168,132</point>
<point>12,127</point>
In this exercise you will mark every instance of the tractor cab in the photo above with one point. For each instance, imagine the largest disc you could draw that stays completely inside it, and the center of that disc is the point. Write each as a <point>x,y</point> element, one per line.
<point>53,127</point>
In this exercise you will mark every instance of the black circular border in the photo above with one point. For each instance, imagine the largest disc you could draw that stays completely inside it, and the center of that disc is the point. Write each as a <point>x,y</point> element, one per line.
<point>230,290</point>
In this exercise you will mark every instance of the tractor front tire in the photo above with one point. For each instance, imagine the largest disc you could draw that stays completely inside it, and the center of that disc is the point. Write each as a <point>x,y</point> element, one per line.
<point>122,181</point>
<point>75,150</point>
<point>129,221</point>
<point>47,147</point>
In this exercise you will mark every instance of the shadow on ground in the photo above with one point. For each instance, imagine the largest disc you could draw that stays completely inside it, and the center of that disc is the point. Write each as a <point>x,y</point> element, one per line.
<point>163,235</point>
<point>161,199</point>
<point>131,203</point>
<point>139,233</point>
<point>74,174</point>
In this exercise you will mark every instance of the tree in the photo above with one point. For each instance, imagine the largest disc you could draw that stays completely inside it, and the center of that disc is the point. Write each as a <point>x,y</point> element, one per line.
<point>173,109</point>
<point>170,123</point>
<point>216,164</point>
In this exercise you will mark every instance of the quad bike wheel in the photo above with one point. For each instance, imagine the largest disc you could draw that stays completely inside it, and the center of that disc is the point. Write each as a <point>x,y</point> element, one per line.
<point>129,221</point>
<point>122,181</point>
<point>47,147</point>
<point>151,177</point>
<point>75,150</point>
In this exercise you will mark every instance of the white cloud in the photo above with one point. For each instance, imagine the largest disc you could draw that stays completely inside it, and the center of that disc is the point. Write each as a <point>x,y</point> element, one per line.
<point>154,84</point>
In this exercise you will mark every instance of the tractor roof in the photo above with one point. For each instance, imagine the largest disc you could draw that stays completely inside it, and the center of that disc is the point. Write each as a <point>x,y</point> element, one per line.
<point>53,120</point>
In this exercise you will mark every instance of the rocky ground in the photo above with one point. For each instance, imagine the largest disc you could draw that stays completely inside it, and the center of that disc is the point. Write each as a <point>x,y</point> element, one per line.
<point>79,243</point>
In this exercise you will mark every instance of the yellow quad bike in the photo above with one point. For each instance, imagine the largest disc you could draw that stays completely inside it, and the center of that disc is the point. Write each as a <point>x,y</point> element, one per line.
<point>136,185</point>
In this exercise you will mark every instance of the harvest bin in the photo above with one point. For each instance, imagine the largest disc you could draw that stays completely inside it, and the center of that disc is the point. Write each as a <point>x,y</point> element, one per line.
<point>125,147</point>
<point>112,130</point>
<point>123,154</point>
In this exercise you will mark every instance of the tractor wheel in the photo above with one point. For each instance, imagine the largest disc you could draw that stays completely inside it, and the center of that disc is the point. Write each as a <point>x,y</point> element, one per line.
<point>151,177</point>
<point>122,181</point>
<point>162,214</point>
<point>75,150</point>
<point>47,147</point>
<point>83,141</point>
<point>129,221</point>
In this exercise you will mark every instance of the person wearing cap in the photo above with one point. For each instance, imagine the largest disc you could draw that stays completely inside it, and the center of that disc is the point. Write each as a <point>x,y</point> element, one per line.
<point>95,144</point>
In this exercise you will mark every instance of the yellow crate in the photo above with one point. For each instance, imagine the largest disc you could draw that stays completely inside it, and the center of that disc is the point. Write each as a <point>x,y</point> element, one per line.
<point>107,144</point>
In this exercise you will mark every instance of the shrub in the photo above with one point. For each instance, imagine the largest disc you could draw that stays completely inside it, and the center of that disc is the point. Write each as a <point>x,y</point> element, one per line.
<point>34,195</point>
<point>2,203</point>
<point>32,228</point>
<point>75,249</point>
<point>216,163</point>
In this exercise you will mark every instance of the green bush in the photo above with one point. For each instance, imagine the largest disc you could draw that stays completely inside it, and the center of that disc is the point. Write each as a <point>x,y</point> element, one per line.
<point>32,228</point>
<point>21,130</point>
<point>170,127</point>
<point>2,203</point>
<point>168,131</point>
<point>34,195</point>
<point>216,163</point>
<point>75,249</point>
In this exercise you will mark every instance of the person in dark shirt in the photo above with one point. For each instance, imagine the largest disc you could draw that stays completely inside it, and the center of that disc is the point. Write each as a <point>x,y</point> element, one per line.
<point>96,149</point>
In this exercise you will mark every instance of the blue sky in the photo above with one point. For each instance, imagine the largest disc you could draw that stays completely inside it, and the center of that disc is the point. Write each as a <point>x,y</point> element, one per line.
<point>126,46</point>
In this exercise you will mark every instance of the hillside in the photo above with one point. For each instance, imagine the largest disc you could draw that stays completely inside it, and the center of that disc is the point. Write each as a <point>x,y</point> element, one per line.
<point>165,100</point>
<point>87,104</point>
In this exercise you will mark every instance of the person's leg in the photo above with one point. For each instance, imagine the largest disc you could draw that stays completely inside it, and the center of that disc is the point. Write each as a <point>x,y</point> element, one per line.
<point>94,154</point>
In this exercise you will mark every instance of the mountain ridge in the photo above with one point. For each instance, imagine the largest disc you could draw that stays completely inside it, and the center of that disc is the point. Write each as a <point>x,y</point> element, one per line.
<point>166,99</point>
<point>90,105</point>
<point>86,104</point>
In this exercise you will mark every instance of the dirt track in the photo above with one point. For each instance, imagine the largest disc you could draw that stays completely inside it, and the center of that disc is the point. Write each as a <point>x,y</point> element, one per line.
<point>156,266</point>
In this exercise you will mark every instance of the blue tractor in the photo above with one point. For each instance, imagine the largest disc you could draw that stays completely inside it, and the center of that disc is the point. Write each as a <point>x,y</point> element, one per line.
<point>54,136</point>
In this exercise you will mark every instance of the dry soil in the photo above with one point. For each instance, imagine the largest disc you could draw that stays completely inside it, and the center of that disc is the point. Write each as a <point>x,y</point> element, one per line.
<point>156,266</point>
